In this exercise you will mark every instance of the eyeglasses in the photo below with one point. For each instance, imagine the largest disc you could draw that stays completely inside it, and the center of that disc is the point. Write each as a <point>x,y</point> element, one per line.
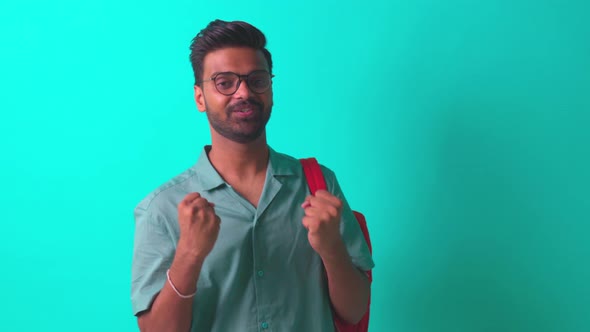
<point>228,83</point>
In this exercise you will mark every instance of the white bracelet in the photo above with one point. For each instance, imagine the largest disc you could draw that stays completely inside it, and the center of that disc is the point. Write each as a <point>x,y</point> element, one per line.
<point>176,290</point>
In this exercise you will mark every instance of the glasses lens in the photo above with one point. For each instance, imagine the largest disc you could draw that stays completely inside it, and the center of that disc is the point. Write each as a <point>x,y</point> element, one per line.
<point>226,83</point>
<point>259,81</point>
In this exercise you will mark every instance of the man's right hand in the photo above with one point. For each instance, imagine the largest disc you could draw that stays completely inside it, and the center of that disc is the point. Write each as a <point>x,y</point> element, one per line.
<point>199,226</point>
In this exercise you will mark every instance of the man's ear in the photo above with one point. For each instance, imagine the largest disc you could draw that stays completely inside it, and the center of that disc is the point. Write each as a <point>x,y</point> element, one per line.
<point>200,98</point>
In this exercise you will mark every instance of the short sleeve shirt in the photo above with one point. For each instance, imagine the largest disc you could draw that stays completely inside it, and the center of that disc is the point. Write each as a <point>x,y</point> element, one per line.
<point>262,274</point>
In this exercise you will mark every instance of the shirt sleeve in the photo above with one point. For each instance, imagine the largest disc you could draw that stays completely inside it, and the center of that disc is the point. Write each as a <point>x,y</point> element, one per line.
<point>349,227</point>
<point>153,253</point>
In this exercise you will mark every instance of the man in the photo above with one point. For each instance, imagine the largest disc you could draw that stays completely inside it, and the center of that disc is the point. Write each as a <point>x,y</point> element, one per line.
<point>236,243</point>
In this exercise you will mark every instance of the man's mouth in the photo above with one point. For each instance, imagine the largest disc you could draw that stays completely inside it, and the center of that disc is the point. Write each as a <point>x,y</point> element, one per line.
<point>245,110</point>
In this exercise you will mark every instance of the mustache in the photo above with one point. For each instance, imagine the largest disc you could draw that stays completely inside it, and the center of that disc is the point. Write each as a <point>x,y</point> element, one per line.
<point>243,104</point>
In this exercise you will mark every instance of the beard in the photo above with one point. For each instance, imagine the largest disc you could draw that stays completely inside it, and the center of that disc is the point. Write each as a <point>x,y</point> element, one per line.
<point>240,129</point>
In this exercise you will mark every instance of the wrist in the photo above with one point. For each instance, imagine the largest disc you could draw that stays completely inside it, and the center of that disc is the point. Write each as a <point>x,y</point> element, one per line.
<point>335,253</point>
<point>188,254</point>
<point>187,263</point>
<point>175,289</point>
<point>184,272</point>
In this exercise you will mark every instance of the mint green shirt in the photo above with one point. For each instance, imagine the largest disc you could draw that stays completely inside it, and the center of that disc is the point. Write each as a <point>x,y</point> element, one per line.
<point>262,274</point>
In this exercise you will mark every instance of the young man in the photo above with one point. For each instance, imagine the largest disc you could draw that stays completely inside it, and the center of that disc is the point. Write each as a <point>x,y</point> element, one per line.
<point>236,242</point>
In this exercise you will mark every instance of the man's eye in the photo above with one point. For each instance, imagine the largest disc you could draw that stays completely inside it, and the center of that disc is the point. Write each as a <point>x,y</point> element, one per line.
<point>259,82</point>
<point>224,83</point>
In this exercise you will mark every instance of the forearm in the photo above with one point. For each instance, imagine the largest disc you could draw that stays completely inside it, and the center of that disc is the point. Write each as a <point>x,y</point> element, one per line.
<point>348,287</point>
<point>170,312</point>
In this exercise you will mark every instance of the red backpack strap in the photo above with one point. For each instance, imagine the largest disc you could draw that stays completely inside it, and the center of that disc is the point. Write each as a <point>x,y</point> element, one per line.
<point>313,174</point>
<point>315,181</point>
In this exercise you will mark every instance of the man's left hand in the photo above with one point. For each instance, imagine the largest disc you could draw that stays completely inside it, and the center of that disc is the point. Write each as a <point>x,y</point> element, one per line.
<point>322,221</point>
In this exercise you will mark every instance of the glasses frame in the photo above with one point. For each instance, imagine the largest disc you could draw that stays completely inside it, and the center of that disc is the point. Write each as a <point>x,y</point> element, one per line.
<point>240,79</point>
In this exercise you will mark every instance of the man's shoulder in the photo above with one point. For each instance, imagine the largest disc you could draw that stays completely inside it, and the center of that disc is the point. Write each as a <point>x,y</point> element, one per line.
<point>290,163</point>
<point>169,192</point>
<point>284,158</point>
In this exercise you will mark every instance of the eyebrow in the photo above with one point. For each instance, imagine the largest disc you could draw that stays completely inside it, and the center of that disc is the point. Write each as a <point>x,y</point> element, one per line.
<point>231,72</point>
<point>219,72</point>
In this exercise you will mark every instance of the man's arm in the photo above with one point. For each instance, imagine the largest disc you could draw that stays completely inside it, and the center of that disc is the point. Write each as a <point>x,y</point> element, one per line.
<point>348,287</point>
<point>199,228</point>
<point>170,312</point>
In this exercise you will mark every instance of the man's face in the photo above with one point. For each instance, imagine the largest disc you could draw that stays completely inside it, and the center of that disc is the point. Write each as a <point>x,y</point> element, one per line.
<point>240,117</point>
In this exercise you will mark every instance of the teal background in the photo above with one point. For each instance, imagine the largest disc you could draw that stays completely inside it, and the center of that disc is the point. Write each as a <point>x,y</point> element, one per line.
<point>460,128</point>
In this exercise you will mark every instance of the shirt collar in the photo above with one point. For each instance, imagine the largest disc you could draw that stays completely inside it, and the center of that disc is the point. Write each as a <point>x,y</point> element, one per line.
<point>279,165</point>
<point>208,176</point>
<point>282,165</point>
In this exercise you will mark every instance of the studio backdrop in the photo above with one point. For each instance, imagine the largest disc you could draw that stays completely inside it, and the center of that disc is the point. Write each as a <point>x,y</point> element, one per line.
<point>461,129</point>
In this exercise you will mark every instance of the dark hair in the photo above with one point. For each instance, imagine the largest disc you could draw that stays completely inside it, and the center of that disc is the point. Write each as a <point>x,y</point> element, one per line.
<point>219,34</point>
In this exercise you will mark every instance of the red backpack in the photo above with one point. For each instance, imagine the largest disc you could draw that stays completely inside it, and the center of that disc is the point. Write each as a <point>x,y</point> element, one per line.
<point>315,181</point>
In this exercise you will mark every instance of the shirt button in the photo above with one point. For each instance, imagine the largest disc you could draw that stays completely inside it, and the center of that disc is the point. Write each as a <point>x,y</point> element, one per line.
<point>260,273</point>
<point>264,325</point>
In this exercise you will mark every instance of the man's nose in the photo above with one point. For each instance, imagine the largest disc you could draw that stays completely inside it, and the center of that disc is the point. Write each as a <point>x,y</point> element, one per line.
<point>243,90</point>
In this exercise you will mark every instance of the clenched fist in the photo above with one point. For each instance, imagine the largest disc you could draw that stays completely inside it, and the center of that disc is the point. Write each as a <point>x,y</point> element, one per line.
<point>322,221</point>
<point>199,226</point>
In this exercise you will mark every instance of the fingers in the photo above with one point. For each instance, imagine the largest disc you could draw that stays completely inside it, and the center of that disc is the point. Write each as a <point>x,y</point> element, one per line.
<point>311,224</point>
<point>323,197</point>
<point>200,203</point>
<point>306,203</point>
<point>308,222</point>
<point>321,210</point>
<point>325,214</point>
<point>194,207</point>
<point>323,201</point>
<point>189,198</point>
<point>195,200</point>
<point>328,198</point>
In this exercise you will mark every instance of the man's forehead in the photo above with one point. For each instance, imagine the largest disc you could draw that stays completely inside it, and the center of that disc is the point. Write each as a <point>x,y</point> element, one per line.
<point>236,59</point>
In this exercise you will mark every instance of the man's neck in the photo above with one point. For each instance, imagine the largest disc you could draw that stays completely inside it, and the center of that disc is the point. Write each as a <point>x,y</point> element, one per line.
<point>239,160</point>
